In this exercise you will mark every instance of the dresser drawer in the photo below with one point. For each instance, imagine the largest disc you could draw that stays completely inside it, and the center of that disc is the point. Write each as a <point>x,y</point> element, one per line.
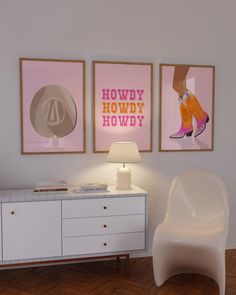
<point>103,225</point>
<point>103,207</point>
<point>103,244</point>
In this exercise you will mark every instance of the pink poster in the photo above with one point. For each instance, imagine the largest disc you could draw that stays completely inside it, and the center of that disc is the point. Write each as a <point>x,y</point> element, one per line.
<point>122,104</point>
<point>186,107</point>
<point>52,106</point>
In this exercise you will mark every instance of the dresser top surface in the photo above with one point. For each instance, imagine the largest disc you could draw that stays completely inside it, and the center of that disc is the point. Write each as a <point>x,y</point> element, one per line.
<point>27,195</point>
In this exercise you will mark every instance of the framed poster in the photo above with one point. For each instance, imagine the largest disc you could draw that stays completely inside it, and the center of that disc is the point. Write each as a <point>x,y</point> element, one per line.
<point>122,106</point>
<point>52,106</point>
<point>186,107</point>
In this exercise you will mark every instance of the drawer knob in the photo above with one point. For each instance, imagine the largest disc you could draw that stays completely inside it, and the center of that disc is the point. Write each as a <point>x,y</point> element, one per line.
<point>104,207</point>
<point>104,244</point>
<point>12,212</point>
<point>104,225</point>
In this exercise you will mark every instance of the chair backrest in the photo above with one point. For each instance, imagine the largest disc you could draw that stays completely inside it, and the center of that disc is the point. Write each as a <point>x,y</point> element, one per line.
<point>198,198</point>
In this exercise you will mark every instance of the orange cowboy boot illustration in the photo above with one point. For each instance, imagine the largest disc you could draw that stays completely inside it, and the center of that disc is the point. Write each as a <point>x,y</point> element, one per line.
<point>197,112</point>
<point>186,127</point>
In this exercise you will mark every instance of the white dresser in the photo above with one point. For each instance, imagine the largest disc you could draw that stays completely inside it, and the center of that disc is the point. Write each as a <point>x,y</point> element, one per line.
<point>46,228</point>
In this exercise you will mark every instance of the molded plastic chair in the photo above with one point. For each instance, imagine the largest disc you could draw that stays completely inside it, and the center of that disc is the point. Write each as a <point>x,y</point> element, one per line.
<point>193,234</point>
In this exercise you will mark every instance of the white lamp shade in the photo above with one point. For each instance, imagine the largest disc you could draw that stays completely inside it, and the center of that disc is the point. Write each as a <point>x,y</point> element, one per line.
<point>123,152</point>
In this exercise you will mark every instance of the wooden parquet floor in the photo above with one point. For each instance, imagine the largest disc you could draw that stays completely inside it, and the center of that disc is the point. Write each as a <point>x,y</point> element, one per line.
<point>102,278</point>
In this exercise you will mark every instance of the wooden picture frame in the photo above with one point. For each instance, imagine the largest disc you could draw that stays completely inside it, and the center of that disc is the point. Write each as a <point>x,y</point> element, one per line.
<point>122,104</point>
<point>52,95</point>
<point>186,107</point>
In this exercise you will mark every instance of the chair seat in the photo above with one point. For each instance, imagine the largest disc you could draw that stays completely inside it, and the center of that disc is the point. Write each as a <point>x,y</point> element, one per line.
<point>192,235</point>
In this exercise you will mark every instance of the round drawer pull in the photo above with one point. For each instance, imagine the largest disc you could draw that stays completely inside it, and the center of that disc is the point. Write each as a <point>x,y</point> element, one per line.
<point>104,207</point>
<point>104,225</point>
<point>12,212</point>
<point>104,244</point>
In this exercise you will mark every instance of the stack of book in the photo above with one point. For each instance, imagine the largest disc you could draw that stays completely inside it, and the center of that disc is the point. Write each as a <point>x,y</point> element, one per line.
<point>51,186</point>
<point>91,187</point>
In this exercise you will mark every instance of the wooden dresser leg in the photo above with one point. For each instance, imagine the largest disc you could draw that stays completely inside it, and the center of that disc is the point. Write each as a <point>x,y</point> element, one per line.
<point>127,264</point>
<point>117,262</point>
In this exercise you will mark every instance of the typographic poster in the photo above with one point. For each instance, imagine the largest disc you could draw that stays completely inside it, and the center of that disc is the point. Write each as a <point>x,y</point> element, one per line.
<point>122,104</point>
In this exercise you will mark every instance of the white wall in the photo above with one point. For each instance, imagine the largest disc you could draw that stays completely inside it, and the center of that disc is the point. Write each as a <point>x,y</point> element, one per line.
<point>169,31</point>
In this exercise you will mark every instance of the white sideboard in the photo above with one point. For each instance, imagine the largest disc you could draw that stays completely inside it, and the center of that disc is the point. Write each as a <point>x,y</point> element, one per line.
<point>39,228</point>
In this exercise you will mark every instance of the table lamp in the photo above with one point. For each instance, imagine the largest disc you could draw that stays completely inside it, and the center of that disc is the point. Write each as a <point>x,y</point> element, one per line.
<point>123,152</point>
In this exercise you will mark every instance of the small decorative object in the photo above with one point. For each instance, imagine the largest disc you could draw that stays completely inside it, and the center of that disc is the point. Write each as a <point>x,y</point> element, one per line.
<point>91,187</point>
<point>51,186</point>
<point>122,104</point>
<point>52,106</point>
<point>186,107</point>
<point>123,152</point>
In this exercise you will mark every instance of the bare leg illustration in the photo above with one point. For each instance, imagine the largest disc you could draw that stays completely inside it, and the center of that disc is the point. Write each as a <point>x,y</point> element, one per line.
<point>189,106</point>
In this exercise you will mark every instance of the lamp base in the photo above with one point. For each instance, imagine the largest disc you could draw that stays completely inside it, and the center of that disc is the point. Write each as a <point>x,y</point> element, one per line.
<point>123,180</point>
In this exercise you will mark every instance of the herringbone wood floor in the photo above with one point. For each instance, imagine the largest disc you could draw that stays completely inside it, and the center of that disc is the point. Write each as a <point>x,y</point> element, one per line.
<point>102,278</point>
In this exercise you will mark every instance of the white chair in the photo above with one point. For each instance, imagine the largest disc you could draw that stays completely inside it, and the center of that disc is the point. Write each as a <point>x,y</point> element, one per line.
<point>193,234</point>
